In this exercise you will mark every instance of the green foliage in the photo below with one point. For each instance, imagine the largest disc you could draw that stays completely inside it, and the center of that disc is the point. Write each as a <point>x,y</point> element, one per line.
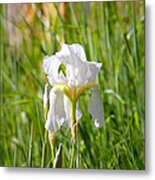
<point>111,33</point>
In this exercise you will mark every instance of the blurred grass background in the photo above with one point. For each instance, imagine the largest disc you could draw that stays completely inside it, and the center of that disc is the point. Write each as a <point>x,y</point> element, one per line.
<point>111,33</point>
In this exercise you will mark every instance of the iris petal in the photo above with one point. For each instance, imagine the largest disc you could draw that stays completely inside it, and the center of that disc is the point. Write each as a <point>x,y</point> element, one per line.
<point>56,115</point>
<point>79,70</point>
<point>70,53</point>
<point>51,68</point>
<point>95,107</point>
<point>78,51</point>
<point>88,72</point>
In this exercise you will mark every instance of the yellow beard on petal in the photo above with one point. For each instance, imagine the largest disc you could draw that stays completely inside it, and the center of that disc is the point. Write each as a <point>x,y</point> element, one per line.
<point>73,93</point>
<point>81,89</point>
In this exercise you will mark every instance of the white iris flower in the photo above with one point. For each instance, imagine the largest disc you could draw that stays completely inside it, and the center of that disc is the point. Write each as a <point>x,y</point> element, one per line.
<point>67,87</point>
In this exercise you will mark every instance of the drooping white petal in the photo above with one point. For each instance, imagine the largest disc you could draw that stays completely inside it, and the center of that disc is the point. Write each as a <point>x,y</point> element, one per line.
<point>51,67</point>
<point>67,105</point>
<point>95,107</point>
<point>46,95</point>
<point>56,114</point>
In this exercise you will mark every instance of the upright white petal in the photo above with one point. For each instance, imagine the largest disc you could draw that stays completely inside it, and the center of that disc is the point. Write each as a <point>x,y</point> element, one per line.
<point>71,75</point>
<point>95,107</point>
<point>56,114</point>
<point>78,50</point>
<point>69,54</point>
<point>79,70</point>
<point>51,68</point>
<point>73,57</point>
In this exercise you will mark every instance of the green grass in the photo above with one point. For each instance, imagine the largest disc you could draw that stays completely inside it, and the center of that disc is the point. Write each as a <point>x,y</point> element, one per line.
<point>111,33</point>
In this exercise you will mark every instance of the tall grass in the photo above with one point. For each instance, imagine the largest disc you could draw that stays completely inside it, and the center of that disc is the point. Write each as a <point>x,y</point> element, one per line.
<point>111,33</point>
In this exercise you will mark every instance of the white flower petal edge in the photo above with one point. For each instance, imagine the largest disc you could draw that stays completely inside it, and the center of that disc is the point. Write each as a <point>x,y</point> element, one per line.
<point>56,114</point>
<point>95,107</point>
<point>51,67</point>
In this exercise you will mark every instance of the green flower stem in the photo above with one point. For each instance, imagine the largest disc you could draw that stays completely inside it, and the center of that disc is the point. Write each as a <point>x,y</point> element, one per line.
<point>73,120</point>
<point>51,140</point>
<point>43,150</point>
<point>72,156</point>
<point>73,131</point>
<point>52,154</point>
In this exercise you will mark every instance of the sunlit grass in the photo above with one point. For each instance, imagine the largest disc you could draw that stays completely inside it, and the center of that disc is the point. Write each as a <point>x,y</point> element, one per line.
<point>111,33</point>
